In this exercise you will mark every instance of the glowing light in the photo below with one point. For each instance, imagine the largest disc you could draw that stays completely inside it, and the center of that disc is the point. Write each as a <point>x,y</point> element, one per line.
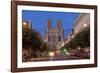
<point>79,48</point>
<point>68,53</point>
<point>72,36</point>
<point>85,25</point>
<point>24,23</point>
<point>65,50</point>
<point>51,54</point>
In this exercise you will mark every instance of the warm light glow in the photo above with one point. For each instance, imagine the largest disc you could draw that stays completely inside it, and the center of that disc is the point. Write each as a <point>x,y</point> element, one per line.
<point>24,23</point>
<point>72,36</point>
<point>68,53</point>
<point>51,54</point>
<point>85,25</point>
<point>79,48</point>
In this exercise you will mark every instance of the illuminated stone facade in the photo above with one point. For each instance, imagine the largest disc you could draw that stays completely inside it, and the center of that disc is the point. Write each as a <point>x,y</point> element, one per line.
<point>54,36</point>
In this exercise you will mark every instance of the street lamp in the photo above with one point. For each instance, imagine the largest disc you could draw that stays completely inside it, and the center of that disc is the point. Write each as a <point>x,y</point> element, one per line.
<point>51,54</point>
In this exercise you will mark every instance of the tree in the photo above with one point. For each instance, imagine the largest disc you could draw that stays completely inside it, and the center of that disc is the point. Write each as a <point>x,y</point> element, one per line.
<point>33,42</point>
<point>81,39</point>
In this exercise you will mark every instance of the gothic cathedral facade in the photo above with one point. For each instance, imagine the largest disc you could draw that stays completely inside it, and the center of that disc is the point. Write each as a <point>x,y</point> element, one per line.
<point>54,36</point>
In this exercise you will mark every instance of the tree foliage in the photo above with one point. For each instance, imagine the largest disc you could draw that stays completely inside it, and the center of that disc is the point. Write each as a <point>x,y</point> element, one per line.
<point>32,40</point>
<point>81,39</point>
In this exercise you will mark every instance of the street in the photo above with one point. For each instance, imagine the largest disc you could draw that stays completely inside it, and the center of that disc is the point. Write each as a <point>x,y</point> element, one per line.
<point>55,58</point>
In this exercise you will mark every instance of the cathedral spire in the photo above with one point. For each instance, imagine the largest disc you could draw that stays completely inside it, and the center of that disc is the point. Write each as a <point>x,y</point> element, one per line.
<point>59,24</point>
<point>49,24</point>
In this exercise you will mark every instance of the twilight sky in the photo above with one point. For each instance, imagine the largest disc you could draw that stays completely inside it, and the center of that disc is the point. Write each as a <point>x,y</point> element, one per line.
<point>39,20</point>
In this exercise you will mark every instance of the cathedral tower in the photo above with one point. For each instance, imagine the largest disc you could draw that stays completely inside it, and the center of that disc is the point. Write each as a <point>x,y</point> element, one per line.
<point>54,36</point>
<point>49,24</point>
<point>59,25</point>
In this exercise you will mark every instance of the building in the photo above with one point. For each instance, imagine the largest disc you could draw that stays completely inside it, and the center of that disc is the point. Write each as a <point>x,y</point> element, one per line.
<point>82,22</point>
<point>54,36</point>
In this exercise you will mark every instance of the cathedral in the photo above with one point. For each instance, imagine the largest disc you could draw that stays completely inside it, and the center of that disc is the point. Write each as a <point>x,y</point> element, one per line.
<point>54,36</point>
